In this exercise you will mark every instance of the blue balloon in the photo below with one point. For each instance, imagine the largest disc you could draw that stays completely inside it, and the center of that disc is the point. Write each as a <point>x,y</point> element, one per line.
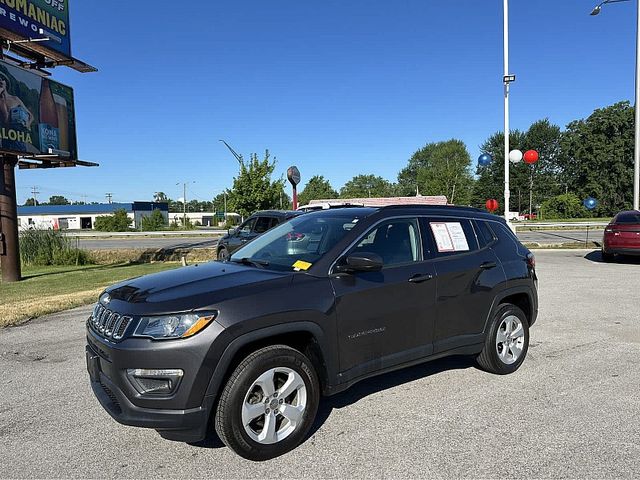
<point>484,160</point>
<point>590,203</point>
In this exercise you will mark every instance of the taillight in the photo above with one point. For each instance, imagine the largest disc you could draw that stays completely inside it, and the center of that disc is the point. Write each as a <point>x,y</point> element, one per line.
<point>611,229</point>
<point>531,260</point>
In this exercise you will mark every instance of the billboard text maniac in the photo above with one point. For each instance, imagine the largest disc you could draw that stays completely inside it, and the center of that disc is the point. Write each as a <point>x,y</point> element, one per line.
<point>37,19</point>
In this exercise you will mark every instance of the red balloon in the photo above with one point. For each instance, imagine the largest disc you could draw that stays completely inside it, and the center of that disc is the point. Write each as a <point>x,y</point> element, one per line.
<point>492,205</point>
<point>531,156</point>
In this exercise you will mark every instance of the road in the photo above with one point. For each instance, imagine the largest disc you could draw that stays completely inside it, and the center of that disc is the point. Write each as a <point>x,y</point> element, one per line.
<point>554,237</point>
<point>571,411</point>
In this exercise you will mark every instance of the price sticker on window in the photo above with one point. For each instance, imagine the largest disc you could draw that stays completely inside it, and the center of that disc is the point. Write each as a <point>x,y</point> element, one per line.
<point>449,237</point>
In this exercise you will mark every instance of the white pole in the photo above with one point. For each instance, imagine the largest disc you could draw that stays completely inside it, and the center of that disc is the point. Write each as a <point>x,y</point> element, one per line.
<point>636,150</point>
<point>506,110</point>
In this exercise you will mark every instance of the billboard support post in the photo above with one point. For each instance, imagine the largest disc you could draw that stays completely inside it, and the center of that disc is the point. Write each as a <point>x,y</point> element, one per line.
<point>9,245</point>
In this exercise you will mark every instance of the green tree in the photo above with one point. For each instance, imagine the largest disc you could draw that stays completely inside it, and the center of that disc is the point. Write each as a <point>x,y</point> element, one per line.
<point>317,188</point>
<point>253,188</point>
<point>58,200</point>
<point>118,222</point>
<point>154,222</point>
<point>442,168</point>
<point>160,197</point>
<point>563,206</point>
<point>597,157</point>
<point>367,186</point>
<point>31,202</point>
<point>528,183</point>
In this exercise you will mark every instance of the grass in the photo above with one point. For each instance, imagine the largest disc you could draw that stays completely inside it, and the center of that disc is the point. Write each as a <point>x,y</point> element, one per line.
<point>47,290</point>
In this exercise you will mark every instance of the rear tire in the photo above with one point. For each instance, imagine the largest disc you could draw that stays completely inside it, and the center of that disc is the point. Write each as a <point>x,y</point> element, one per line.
<point>222,254</point>
<point>507,341</point>
<point>607,257</point>
<point>269,404</point>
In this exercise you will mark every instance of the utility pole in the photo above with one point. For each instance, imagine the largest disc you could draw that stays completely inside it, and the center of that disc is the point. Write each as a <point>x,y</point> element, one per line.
<point>34,193</point>
<point>184,202</point>
<point>9,239</point>
<point>109,197</point>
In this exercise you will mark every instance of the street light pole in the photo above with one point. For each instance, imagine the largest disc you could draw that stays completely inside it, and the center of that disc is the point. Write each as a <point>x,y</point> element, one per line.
<point>636,148</point>
<point>507,193</point>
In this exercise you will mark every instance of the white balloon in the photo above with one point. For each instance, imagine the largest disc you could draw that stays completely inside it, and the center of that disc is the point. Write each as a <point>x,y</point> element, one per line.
<point>515,156</point>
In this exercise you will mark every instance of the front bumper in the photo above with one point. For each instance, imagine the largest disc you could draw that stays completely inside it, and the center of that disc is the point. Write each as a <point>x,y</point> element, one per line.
<point>183,425</point>
<point>183,415</point>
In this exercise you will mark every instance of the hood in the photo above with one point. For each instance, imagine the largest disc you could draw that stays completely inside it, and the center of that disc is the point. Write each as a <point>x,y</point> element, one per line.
<point>192,287</point>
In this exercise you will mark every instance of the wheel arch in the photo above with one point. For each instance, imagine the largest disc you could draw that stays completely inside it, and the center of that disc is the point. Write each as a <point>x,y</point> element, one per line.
<point>522,297</point>
<point>306,337</point>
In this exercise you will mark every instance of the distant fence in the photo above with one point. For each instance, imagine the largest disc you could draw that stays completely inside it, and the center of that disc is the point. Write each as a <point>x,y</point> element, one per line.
<point>170,233</point>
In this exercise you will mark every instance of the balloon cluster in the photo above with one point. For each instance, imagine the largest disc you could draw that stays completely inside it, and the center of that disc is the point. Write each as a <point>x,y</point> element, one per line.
<point>530,156</point>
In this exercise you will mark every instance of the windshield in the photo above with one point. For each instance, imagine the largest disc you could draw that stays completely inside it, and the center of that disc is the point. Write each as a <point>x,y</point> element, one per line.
<point>297,244</point>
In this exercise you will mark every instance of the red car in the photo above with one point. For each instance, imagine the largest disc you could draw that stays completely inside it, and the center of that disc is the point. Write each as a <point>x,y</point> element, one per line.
<point>622,235</point>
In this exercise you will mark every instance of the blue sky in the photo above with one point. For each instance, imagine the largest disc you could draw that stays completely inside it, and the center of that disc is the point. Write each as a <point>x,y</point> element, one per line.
<point>338,88</point>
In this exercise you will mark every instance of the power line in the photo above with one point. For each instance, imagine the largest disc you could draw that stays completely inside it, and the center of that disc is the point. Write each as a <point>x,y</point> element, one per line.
<point>109,197</point>
<point>34,193</point>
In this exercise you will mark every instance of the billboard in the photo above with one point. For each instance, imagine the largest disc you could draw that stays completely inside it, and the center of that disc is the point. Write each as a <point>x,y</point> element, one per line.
<point>37,115</point>
<point>34,19</point>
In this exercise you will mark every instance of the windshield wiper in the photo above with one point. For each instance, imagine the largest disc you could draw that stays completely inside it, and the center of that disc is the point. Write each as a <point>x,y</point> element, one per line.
<point>251,261</point>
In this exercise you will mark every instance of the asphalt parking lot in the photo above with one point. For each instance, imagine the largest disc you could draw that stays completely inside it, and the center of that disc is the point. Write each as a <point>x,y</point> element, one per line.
<point>571,411</point>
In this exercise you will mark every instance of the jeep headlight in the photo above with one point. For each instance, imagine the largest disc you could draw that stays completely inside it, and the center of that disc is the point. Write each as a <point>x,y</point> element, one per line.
<point>165,327</point>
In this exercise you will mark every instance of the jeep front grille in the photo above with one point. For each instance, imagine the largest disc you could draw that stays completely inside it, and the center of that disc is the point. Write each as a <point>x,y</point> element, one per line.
<point>109,324</point>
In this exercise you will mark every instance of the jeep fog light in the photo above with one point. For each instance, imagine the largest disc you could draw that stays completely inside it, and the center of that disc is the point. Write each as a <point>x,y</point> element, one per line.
<point>155,381</point>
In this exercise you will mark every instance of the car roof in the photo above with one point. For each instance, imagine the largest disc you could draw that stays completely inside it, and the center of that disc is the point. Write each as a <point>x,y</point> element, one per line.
<point>443,210</point>
<point>277,213</point>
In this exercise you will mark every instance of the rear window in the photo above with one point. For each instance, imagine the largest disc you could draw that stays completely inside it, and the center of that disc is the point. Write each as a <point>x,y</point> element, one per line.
<point>485,234</point>
<point>630,217</point>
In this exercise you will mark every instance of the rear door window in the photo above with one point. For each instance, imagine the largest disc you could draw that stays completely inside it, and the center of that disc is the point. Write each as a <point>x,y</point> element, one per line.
<point>263,224</point>
<point>451,236</point>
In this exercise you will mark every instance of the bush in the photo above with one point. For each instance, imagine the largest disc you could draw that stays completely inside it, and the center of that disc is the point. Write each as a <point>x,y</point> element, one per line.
<point>154,222</point>
<point>563,206</point>
<point>118,222</point>
<point>49,247</point>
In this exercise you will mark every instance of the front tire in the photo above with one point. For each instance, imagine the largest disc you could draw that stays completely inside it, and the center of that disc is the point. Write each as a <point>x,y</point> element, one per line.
<point>269,404</point>
<point>507,342</point>
<point>222,254</point>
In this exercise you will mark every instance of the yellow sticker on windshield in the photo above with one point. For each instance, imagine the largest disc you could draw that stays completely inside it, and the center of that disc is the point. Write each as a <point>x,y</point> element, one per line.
<point>302,265</point>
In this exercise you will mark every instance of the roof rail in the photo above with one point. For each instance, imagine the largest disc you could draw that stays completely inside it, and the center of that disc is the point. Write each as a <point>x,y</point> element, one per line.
<point>441,207</point>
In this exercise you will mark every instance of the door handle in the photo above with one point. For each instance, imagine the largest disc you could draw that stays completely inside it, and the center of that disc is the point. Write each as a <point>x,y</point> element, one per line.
<point>420,278</point>
<point>488,265</point>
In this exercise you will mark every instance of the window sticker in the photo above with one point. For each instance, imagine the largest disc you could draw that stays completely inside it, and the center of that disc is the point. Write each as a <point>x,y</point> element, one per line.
<point>458,237</point>
<point>441,234</point>
<point>450,237</point>
<point>301,265</point>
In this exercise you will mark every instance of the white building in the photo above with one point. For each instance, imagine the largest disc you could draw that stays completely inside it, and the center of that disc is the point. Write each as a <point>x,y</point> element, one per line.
<point>83,217</point>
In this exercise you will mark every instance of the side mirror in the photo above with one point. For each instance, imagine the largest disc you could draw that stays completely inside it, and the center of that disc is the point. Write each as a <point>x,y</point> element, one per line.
<point>231,231</point>
<point>361,262</point>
